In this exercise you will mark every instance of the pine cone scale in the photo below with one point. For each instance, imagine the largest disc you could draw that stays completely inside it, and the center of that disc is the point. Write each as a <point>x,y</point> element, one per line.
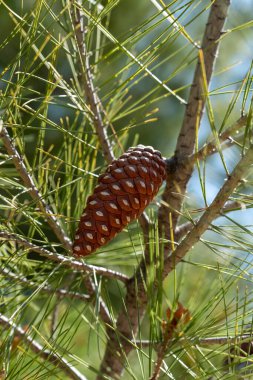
<point>131,171</point>
<point>124,203</point>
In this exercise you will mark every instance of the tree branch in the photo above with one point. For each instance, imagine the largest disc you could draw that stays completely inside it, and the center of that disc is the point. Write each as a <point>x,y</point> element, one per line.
<point>223,340</point>
<point>178,178</point>
<point>212,212</point>
<point>87,80</point>
<point>161,351</point>
<point>174,22</point>
<point>32,189</point>
<point>45,288</point>
<point>184,228</point>
<point>90,91</point>
<point>51,356</point>
<point>208,341</point>
<point>68,261</point>
<point>211,147</point>
<point>119,339</point>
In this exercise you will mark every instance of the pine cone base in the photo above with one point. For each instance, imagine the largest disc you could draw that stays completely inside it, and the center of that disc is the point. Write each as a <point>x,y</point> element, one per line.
<point>123,192</point>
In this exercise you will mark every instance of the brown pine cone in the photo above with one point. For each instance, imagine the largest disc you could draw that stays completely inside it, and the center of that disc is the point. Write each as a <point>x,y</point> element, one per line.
<point>123,192</point>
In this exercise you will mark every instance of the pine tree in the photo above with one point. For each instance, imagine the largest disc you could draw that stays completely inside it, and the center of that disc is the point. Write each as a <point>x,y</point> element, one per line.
<point>126,190</point>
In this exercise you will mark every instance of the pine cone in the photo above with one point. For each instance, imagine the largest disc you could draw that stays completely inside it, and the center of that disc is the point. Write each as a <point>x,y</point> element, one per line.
<point>123,192</point>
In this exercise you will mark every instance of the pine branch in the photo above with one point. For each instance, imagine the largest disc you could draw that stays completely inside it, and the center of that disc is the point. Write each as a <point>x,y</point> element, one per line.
<point>51,356</point>
<point>119,339</point>
<point>184,228</point>
<point>32,189</point>
<point>50,67</point>
<point>161,351</point>
<point>87,80</point>
<point>136,297</point>
<point>68,261</point>
<point>96,108</point>
<point>225,137</point>
<point>196,101</point>
<point>172,327</point>
<point>162,347</point>
<point>121,334</point>
<point>178,178</point>
<point>212,212</point>
<point>62,293</point>
<point>208,341</point>
<point>29,183</point>
<point>218,340</point>
<point>91,94</point>
<point>174,22</point>
<point>95,105</point>
<point>208,149</point>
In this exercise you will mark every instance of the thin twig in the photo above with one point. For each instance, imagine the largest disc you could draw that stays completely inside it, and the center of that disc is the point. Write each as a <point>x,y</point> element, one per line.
<point>64,260</point>
<point>173,327</point>
<point>211,213</point>
<point>87,80</point>
<point>62,293</point>
<point>223,340</point>
<point>177,179</point>
<point>184,228</point>
<point>49,66</point>
<point>161,351</point>
<point>225,137</point>
<point>54,318</point>
<point>162,346</point>
<point>142,65</point>
<point>174,22</point>
<point>207,150</point>
<point>32,188</point>
<point>216,340</point>
<point>51,356</point>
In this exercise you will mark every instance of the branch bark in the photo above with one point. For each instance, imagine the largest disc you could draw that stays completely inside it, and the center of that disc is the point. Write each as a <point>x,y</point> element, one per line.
<point>119,340</point>
<point>68,261</point>
<point>178,178</point>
